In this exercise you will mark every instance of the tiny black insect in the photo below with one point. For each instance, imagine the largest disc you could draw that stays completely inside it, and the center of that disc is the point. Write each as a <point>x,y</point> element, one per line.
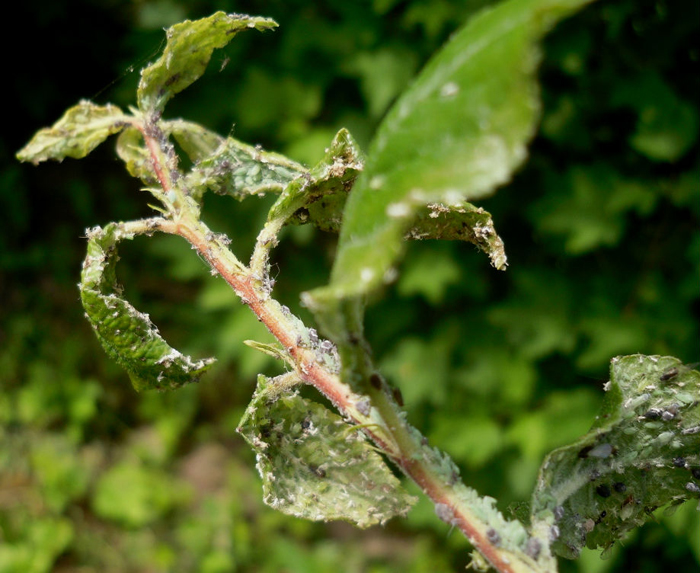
<point>376,381</point>
<point>670,373</point>
<point>619,487</point>
<point>603,490</point>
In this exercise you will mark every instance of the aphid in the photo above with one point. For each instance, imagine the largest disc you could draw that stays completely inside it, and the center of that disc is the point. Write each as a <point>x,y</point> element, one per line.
<point>603,490</point>
<point>679,462</point>
<point>493,536</point>
<point>602,451</point>
<point>533,548</point>
<point>692,487</point>
<point>695,472</point>
<point>619,487</point>
<point>653,413</point>
<point>445,513</point>
<point>318,471</point>
<point>583,452</point>
<point>396,392</point>
<point>676,370</point>
<point>558,512</point>
<point>668,374</point>
<point>376,381</point>
<point>363,406</point>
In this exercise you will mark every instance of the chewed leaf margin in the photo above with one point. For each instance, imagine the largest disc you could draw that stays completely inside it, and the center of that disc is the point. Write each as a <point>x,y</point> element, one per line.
<point>642,453</point>
<point>126,334</point>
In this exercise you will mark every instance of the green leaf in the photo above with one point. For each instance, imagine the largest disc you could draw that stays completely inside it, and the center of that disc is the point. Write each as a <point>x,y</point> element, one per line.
<point>463,223</point>
<point>134,494</point>
<point>322,188</point>
<point>456,134</point>
<point>127,335</point>
<point>313,465</point>
<point>642,453</point>
<point>81,129</point>
<point>132,151</point>
<point>187,53</point>
<point>241,170</point>
<point>197,141</point>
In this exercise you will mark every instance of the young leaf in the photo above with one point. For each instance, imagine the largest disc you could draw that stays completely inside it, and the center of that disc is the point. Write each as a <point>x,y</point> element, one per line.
<point>313,465</point>
<point>81,129</point>
<point>127,335</point>
<point>240,170</point>
<point>333,176</point>
<point>456,134</point>
<point>197,141</point>
<point>132,151</point>
<point>187,52</point>
<point>465,223</point>
<point>643,452</point>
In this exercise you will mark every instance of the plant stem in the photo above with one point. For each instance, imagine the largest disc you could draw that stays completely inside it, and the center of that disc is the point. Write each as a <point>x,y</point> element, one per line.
<point>384,423</point>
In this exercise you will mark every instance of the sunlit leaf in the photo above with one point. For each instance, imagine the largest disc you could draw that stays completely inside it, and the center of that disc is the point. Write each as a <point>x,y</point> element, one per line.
<point>126,334</point>
<point>81,129</point>
<point>187,53</point>
<point>313,465</point>
<point>197,141</point>
<point>240,170</point>
<point>455,135</point>
<point>330,180</point>
<point>132,151</point>
<point>642,453</point>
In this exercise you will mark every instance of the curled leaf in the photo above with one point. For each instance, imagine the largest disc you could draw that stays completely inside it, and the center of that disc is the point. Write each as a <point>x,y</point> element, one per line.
<point>82,128</point>
<point>642,453</point>
<point>455,135</point>
<point>187,54</point>
<point>313,465</point>
<point>311,198</point>
<point>132,151</point>
<point>126,334</point>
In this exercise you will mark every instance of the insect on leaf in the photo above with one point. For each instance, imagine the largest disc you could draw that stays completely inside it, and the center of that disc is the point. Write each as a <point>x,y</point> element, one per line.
<point>187,53</point>
<point>455,135</point>
<point>313,465</point>
<point>126,334</point>
<point>642,453</point>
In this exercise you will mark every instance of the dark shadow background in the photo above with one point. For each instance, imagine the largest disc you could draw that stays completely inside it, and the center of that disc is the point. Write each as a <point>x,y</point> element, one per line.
<point>601,228</point>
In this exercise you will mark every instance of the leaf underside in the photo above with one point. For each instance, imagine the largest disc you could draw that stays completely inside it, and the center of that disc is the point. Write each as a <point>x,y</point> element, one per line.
<point>127,335</point>
<point>642,453</point>
<point>313,465</point>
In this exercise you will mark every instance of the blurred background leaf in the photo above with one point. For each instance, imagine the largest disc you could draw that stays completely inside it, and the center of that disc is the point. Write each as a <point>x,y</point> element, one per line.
<point>601,230</point>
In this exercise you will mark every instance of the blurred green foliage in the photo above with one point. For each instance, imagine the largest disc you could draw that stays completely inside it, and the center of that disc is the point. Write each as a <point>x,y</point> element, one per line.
<point>601,228</point>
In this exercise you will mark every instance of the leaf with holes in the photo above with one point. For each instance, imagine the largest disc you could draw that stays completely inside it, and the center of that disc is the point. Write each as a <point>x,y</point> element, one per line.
<point>642,453</point>
<point>314,465</point>
<point>126,334</point>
